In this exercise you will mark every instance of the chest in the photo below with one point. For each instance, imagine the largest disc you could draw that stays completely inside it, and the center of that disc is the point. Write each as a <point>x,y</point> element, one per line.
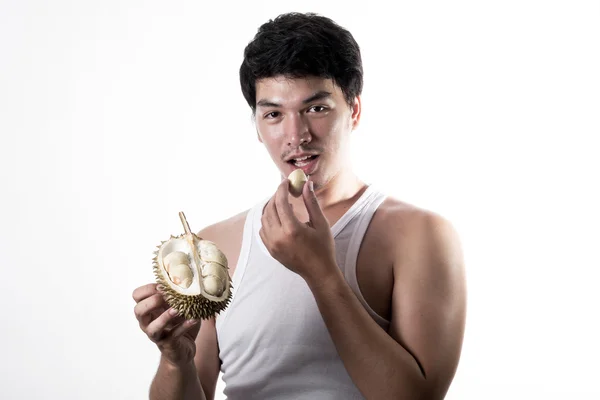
<point>374,261</point>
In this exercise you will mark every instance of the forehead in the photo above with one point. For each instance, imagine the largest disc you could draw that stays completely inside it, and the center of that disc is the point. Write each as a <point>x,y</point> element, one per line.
<point>284,90</point>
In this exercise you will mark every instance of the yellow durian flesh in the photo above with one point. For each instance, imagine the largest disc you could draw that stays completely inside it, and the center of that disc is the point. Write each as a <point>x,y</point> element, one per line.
<point>181,275</point>
<point>214,278</point>
<point>191,299</point>
<point>215,269</point>
<point>177,264</point>
<point>297,180</point>
<point>213,285</point>
<point>174,258</point>
<point>209,252</point>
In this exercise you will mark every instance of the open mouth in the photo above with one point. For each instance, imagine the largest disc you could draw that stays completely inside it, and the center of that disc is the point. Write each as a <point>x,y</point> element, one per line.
<point>302,162</point>
<point>307,164</point>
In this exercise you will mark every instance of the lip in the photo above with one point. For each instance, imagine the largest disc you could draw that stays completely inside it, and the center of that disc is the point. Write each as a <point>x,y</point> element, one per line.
<point>300,155</point>
<point>308,169</point>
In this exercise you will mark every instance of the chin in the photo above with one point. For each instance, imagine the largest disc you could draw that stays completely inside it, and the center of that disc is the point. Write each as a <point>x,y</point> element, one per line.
<point>317,180</point>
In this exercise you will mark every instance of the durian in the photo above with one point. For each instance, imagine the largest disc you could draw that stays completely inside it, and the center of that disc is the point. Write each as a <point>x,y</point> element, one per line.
<point>297,179</point>
<point>194,274</point>
<point>178,268</point>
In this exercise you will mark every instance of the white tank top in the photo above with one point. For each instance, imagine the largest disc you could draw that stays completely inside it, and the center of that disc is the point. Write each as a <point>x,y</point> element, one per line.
<point>273,342</point>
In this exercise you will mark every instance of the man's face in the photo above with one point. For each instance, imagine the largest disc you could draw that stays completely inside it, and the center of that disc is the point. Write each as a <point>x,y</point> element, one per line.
<point>301,117</point>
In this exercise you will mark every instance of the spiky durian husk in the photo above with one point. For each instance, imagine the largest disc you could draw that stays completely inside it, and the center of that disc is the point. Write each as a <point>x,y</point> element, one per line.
<point>190,307</point>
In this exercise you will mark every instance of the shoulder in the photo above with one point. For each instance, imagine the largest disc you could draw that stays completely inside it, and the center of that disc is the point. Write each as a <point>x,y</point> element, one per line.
<point>413,231</point>
<point>221,229</point>
<point>403,220</point>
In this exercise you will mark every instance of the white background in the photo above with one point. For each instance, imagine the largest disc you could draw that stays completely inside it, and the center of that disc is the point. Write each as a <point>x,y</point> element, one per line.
<point>116,115</point>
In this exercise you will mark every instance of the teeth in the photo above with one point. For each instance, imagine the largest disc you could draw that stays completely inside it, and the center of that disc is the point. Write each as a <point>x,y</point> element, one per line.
<point>302,161</point>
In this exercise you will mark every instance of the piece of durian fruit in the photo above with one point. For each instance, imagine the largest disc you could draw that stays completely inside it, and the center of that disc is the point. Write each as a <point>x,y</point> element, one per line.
<point>194,275</point>
<point>297,180</point>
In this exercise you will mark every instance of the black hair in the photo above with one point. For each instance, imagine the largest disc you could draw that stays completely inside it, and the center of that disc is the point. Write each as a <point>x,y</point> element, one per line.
<point>297,45</point>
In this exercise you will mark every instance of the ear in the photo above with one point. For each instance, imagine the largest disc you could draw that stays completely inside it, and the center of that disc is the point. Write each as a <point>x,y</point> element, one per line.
<point>356,112</point>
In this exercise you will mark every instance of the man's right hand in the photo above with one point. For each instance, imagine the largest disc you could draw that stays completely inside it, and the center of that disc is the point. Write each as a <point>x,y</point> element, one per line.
<point>174,336</point>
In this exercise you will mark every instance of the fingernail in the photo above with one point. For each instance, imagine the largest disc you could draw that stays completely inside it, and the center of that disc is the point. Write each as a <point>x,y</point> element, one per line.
<point>173,311</point>
<point>310,186</point>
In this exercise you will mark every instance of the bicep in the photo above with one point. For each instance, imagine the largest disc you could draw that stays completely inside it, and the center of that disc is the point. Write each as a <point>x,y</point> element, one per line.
<point>429,300</point>
<point>207,360</point>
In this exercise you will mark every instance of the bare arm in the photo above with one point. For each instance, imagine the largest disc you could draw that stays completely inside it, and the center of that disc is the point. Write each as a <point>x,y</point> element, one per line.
<point>417,359</point>
<point>174,336</point>
<point>176,382</point>
<point>207,360</point>
<point>195,380</point>
<point>189,365</point>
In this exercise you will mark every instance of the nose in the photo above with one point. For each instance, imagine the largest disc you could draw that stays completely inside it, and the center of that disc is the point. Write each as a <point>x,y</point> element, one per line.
<point>296,131</point>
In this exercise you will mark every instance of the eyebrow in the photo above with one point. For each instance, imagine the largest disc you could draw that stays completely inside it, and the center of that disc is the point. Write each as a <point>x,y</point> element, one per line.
<point>317,96</point>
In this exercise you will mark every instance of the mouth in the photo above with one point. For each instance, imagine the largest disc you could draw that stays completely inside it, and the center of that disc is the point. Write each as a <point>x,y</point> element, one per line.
<point>307,164</point>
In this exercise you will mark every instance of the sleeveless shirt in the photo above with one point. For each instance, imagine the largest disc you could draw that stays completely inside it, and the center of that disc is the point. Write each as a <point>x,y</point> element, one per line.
<point>273,342</point>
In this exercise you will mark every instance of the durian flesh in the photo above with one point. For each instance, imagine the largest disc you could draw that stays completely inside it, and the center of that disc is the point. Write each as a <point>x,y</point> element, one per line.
<point>197,291</point>
<point>297,180</point>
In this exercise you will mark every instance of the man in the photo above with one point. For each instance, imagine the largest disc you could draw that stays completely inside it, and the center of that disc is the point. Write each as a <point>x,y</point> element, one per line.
<point>341,293</point>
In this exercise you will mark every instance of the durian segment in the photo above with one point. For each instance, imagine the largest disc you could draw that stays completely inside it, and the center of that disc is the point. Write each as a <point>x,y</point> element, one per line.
<point>176,257</point>
<point>297,179</point>
<point>171,251</point>
<point>209,252</point>
<point>213,259</point>
<point>200,300</point>
<point>181,275</point>
<point>215,269</point>
<point>214,279</point>
<point>177,265</point>
<point>213,285</point>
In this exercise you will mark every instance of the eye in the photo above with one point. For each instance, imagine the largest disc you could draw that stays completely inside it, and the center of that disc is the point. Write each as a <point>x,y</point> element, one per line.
<point>271,115</point>
<point>317,109</point>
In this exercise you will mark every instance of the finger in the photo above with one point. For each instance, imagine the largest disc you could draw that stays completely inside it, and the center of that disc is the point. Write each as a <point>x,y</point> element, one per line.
<point>273,212</point>
<point>157,329</point>
<point>263,236</point>
<point>315,214</point>
<point>184,327</point>
<point>282,206</point>
<point>270,219</point>
<point>172,324</point>
<point>143,292</point>
<point>144,308</point>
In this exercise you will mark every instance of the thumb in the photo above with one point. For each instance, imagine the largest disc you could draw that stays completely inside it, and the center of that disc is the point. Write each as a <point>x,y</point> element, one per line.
<point>315,214</point>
